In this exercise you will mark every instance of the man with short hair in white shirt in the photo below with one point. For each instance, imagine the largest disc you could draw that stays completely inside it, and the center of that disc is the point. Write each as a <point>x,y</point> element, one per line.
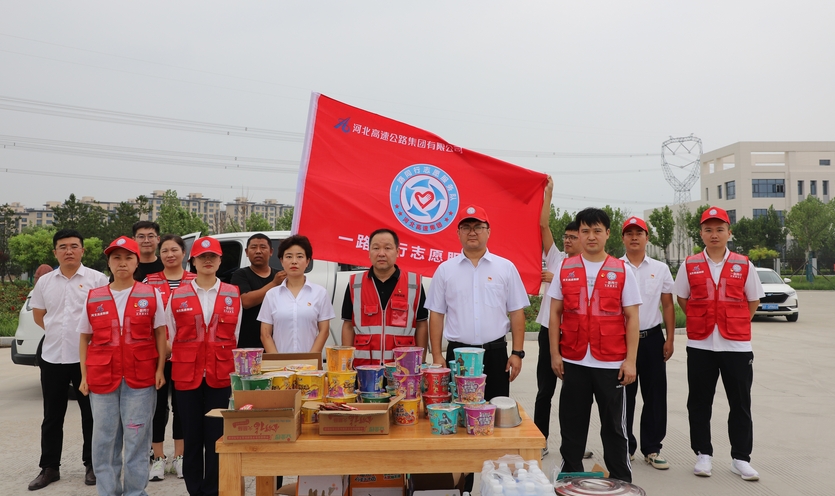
<point>656,285</point>
<point>480,297</point>
<point>58,305</point>
<point>719,292</point>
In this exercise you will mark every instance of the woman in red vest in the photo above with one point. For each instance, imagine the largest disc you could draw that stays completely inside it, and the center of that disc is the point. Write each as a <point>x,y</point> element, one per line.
<point>122,350</point>
<point>172,250</point>
<point>204,319</point>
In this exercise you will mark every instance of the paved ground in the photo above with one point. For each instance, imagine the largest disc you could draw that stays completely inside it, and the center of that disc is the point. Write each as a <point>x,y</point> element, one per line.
<point>794,409</point>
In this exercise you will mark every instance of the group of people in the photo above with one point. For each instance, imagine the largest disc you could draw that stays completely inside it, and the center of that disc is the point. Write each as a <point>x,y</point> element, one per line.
<point>124,342</point>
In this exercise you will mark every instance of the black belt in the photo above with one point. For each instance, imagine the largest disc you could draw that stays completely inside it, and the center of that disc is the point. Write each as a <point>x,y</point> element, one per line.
<point>492,345</point>
<point>650,332</point>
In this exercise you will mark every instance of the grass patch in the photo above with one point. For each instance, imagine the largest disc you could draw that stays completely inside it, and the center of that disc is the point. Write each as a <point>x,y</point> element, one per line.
<point>12,298</point>
<point>821,283</point>
<point>8,325</point>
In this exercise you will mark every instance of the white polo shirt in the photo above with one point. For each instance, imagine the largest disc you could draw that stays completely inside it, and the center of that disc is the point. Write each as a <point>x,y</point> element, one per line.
<point>207,304</point>
<point>64,301</point>
<point>295,319</point>
<point>552,262</point>
<point>753,291</point>
<point>654,278</point>
<point>476,299</point>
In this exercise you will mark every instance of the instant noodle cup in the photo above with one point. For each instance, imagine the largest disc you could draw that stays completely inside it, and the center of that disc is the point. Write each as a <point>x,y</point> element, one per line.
<point>480,419</point>
<point>256,383</point>
<point>298,367</point>
<point>436,380</point>
<point>434,400</point>
<point>407,384</point>
<point>408,359</point>
<point>348,398</point>
<point>443,418</point>
<point>340,358</point>
<point>392,390</point>
<point>391,368</point>
<point>370,378</point>
<point>342,383</point>
<point>462,421</point>
<point>237,385</point>
<point>310,412</point>
<point>247,360</point>
<point>281,380</point>
<point>470,361</point>
<point>311,384</point>
<point>406,412</point>
<point>470,389</point>
<point>374,397</point>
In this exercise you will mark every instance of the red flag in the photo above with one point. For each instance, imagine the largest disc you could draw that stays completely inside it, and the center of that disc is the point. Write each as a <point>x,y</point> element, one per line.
<point>361,171</point>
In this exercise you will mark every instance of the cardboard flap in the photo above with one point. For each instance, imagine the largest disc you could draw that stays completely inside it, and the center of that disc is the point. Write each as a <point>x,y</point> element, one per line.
<point>290,399</point>
<point>364,408</point>
<point>277,361</point>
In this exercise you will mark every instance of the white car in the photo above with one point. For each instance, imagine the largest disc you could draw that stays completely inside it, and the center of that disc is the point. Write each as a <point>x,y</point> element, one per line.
<point>780,298</point>
<point>28,336</point>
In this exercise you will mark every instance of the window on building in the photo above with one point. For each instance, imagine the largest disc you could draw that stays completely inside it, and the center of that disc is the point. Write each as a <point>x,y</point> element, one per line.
<point>813,188</point>
<point>39,215</point>
<point>39,221</point>
<point>732,216</point>
<point>762,212</point>
<point>719,190</point>
<point>49,214</point>
<point>770,188</point>
<point>730,190</point>
<point>49,222</point>
<point>824,161</point>
<point>799,188</point>
<point>825,185</point>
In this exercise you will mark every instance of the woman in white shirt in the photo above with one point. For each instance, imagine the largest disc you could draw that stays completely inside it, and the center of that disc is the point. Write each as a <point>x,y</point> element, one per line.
<point>295,316</point>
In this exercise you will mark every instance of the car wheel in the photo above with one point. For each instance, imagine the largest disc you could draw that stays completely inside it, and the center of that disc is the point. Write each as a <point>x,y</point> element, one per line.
<point>793,317</point>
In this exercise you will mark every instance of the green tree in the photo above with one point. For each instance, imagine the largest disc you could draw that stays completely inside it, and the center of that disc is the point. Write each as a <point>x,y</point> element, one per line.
<point>174,218</point>
<point>557,223</point>
<point>257,222</point>
<point>121,221</point>
<point>285,222</point>
<point>747,234</point>
<point>810,223</point>
<point>772,231</point>
<point>32,248</point>
<point>757,254</point>
<point>661,228</point>
<point>89,220</point>
<point>694,225</point>
<point>614,246</point>
<point>93,254</point>
<point>8,228</point>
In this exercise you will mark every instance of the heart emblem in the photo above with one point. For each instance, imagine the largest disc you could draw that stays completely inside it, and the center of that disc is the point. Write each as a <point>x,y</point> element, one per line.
<point>424,199</point>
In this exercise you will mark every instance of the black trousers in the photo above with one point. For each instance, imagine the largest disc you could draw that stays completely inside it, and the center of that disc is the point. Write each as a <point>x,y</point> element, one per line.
<point>580,386</point>
<point>652,375</point>
<point>546,384</point>
<point>200,461</point>
<point>161,413</point>
<point>495,361</point>
<point>56,379</point>
<point>737,370</point>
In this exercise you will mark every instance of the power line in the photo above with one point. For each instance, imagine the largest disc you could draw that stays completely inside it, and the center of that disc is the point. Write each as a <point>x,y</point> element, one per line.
<point>541,154</point>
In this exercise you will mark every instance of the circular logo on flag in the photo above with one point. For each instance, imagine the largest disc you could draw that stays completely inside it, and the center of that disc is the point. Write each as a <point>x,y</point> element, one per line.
<point>611,276</point>
<point>205,243</point>
<point>712,211</point>
<point>142,303</point>
<point>228,301</point>
<point>120,241</point>
<point>424,198</point>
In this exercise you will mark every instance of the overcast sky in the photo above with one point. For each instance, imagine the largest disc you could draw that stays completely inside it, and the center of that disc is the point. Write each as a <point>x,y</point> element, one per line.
<point>587,82</point>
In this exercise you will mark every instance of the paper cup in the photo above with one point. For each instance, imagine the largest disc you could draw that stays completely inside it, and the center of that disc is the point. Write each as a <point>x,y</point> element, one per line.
<point>237,385</point>
<point>391,368</point>
<point>342,383</point>
<point>470,361</point>
<point>370,378</point>
<point>434,400</point>
<point>281,380</point>
<point>348,398</point>
<point>443,418</point>
<point>437,381</point>
<point>407,385</point>
<point>256,383</point>
<point>311,384</point>
<point>470,389</point>
<point>406,412</point>
<point>298,367</point>
<point>340,358</point>
<point>310,412</point>
<point>247,360</point>
<point>480,419</point>
<point>374,397</point>
<point>408,359</point>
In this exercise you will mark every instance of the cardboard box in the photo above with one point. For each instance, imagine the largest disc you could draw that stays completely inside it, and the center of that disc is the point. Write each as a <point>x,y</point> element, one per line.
<point>377,485</point>
<point>275,417</point>
<point>277,361</point>
<point>436,484</point>
<point>368,418</point>
<point>322,485</point>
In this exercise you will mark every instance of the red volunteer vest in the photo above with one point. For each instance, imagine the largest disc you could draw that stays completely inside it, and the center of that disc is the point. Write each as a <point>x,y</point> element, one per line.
<point>722,305</point>
<point>117,351</point>
<point>595,321</point>
<point>160,283</point>
<point>199,347</point>
<point>381,330</point>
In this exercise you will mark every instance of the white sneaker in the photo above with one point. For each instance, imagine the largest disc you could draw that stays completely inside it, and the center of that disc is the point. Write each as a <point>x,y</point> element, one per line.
<point>744,470</point>
<point>178,466</point>
<point>157,470</point>
<point>703,465</point>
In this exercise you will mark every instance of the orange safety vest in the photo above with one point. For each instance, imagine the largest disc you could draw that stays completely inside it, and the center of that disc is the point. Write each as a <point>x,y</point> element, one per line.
<point>160,283</point>
<point>722,304</point>
<point>381,330</point>
<point>198,347</point>
<point>595,321</point>
<point>117,350</point>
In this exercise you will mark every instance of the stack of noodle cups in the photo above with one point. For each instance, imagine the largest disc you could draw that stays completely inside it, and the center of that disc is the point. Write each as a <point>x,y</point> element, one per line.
<point>407,377</point>
<point>341,379</point>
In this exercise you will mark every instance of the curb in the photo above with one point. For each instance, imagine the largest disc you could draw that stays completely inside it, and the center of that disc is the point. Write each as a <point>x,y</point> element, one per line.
<point>6,341</point>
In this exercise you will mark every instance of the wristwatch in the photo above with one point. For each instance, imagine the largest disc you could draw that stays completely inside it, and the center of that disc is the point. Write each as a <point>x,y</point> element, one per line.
<point>520,353</point>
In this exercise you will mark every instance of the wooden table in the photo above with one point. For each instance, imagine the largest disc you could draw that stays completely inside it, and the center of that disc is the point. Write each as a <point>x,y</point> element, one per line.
<point>407,449</point>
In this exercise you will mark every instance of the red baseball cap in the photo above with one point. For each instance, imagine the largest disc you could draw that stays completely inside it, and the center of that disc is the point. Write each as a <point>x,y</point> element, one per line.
<point>473,212</point>
<point>634,221</point>
<point>124,243</point>
<point>715,213</point>
<point>206,245</point>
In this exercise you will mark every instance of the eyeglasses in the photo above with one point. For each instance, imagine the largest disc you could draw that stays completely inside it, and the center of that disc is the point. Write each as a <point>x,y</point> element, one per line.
<point>569,237</point>
<point>65,248</point>
<point>149,237</point>
<point>475,229</point>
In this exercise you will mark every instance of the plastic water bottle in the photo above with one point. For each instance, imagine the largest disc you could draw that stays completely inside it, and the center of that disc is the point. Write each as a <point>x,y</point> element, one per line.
<point>509,488</point>
<point>504,470</point>
<point>521,475</point>
<point>530,489</point>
